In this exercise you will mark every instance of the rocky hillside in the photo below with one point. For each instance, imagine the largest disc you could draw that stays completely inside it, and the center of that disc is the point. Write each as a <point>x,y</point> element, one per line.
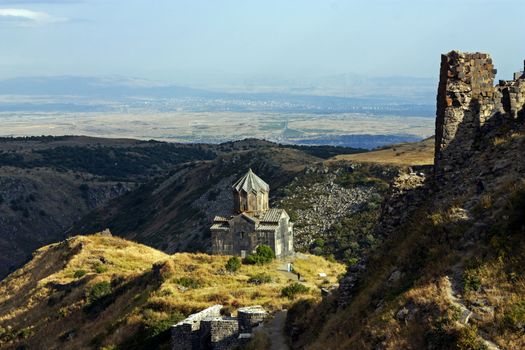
<point>449,274</point>
<point>174,213</point>
<point>49,183</point>
<point>335,205</point>
<point>103,292</point>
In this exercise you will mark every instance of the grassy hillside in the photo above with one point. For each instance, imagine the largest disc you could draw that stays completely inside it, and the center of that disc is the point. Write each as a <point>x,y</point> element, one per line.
<point>173,189</point>
<point>173,213</point>
<point>50,183</point>
<point>404,154</point>
<point>449,277</point>
<point>99,291</point>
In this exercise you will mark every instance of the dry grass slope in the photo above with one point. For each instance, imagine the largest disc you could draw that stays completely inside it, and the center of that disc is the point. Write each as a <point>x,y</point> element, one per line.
<point>460,254</point>
<point>94,291</point>
<point>405,154</point>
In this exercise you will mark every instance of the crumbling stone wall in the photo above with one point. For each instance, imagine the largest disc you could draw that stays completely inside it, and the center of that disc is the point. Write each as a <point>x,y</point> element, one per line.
<point>467,101</point>
<point>250,317</point>
<point>513,95</point>
<point>208,330</point>
<point>186,334</point>
<point>224,333</point>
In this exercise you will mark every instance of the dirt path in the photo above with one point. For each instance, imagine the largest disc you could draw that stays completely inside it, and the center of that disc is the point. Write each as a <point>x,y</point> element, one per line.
<point>275,331</point>
<point>453,289</point>
<point>283,269</point>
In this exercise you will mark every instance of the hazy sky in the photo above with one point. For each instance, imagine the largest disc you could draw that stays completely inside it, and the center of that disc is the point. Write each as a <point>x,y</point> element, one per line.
<point>189,41</point>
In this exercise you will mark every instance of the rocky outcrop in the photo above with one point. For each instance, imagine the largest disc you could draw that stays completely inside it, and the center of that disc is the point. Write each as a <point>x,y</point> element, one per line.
<point>318,199</point>
<point>406,193</point>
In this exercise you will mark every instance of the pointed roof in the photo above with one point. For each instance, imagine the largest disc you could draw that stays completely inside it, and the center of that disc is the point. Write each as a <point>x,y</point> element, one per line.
<point>251,183</point>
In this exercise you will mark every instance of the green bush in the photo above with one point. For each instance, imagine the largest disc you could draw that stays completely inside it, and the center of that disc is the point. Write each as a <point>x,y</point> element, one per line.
<point>293,290</point>
<point>471,280</point>
<point>468,339</point>
<point>155,323</point>
<point>79,273</point>
<point>263,255</point>
<point>98,291</point>
<point>100,268</point>
<point>188,282</point>
<point>233,264</point>
<point>514,316</point>
<point>260,278</point>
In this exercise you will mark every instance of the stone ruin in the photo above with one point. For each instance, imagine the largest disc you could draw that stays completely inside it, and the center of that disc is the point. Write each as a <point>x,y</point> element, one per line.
<point>209,330</point>
<point>467,102</point>
<point>469,107</point>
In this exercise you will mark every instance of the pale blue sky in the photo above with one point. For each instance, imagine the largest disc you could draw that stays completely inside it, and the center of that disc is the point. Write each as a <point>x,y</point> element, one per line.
<point>211,40</point>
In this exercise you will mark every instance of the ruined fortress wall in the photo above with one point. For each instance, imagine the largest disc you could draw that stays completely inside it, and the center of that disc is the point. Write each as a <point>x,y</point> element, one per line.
<point>513,95</point>
<point>250,317</point>
<point>224,333</point>
<point>185,335</point>
<point>466,101</point>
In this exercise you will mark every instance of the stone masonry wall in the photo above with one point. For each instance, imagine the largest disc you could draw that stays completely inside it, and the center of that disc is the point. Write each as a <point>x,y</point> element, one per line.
<point>185,334</point>
<point>208,330</point>
<point>250,317</point>
<point>513,94</point>
<point>224,333</point>
<point>466,101</point>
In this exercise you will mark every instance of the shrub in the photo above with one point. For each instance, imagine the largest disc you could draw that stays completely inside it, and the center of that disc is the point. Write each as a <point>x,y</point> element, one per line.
<point>317,251</point>
<point>260,278</point>
<point>293,290</point>
<point>233,264</point>
<point>98,291</point>
<point>468,339</point>
<point>514,316</point>
<point>319,242</point>
<point>79,273</point>
<point>263,255</point>
<point>155,323</point>
<point>471,281</point>
<point>25,332</point>
<point>188,282</point>
<point>100,268</point>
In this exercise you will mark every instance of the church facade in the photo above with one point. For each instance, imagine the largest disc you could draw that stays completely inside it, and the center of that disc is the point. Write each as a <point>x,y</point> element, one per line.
<point>252,222</point>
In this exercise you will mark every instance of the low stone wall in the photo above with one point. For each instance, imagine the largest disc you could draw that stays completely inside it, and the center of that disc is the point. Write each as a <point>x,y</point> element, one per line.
<point>208,330</point>
<point>185,335</point>
<point>224,333</point>
<point>250,317</point>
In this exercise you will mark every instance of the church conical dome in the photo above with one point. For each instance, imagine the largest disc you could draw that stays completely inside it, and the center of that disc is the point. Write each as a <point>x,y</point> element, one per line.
<point>251,183</point>
<point>250,194</point>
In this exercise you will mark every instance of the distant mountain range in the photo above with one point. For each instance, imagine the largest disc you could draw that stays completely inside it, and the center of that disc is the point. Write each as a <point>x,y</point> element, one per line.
<point>411,96</point>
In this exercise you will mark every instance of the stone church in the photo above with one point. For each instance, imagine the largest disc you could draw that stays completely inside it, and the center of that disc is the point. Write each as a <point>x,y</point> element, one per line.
<point>252,222</point>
